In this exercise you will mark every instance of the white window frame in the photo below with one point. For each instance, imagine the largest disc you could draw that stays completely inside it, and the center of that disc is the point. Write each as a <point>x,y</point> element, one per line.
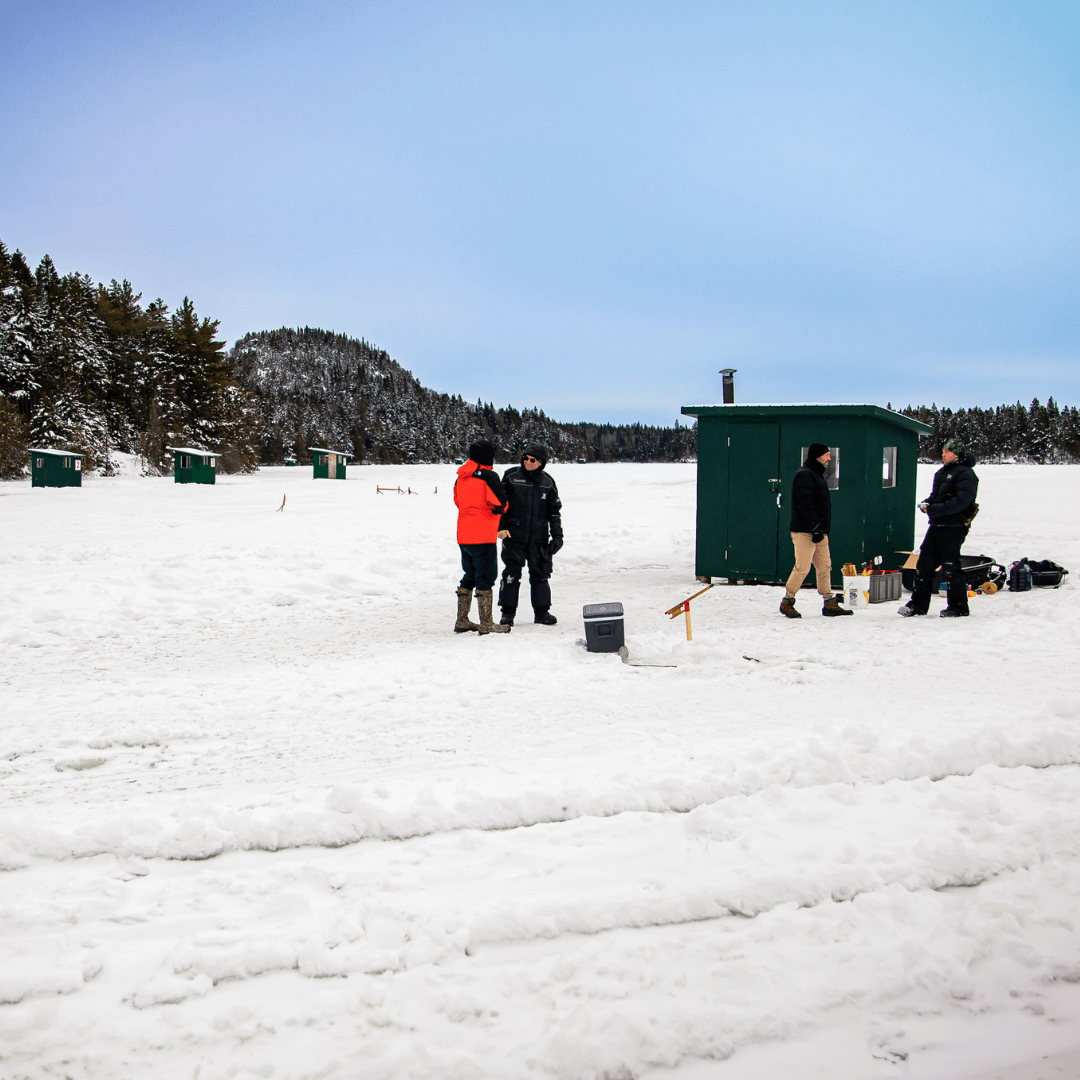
<point>888,466</point>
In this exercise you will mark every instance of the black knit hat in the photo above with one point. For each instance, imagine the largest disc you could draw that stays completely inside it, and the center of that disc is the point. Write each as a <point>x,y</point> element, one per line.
<point>483,453</point>
<point>538,451</point>
<point>816,450</point>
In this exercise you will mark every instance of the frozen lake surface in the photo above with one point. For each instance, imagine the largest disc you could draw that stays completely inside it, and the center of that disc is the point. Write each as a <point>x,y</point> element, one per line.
<point>264,815</point>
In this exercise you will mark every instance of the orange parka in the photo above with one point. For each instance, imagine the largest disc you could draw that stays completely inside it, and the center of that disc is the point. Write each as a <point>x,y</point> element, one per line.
<point>478,507</point>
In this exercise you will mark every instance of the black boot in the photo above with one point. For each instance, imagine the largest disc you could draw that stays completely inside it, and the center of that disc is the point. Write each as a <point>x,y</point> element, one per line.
<point>544,618</point>
<point>507,618</point>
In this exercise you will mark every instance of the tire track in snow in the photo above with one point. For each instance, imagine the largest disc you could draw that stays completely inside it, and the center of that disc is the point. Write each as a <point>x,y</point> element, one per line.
<point>474,932</point>
<point>198,828</point>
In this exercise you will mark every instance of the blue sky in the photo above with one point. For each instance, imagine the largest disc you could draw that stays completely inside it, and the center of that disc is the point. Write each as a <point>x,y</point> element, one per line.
<point>589,207</point>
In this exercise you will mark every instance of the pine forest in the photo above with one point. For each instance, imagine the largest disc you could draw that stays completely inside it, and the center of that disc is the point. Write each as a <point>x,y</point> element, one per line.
<point>92,368</point>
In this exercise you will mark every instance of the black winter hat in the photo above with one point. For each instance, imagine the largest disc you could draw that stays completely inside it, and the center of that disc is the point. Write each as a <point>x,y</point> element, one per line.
<point>483,453</point>
<point>538,451</point>
<point>816,450</point>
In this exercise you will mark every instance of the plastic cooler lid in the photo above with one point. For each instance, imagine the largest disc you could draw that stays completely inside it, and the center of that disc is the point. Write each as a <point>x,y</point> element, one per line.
<point>602,611</point>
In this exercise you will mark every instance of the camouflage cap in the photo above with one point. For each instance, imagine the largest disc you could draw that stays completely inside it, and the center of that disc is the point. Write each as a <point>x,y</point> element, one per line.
<point>954,446</point>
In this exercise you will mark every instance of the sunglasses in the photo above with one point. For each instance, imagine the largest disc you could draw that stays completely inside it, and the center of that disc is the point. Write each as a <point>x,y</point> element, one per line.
<point>529,457</point>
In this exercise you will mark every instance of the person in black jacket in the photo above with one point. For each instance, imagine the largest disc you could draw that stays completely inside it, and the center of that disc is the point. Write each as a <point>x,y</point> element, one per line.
<point>811,519</point>
<point>531,532</point>
<point>950,508</point>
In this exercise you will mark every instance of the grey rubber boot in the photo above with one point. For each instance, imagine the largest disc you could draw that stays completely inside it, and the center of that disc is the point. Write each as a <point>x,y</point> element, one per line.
<point>483,602</point>
<point>464,602</point>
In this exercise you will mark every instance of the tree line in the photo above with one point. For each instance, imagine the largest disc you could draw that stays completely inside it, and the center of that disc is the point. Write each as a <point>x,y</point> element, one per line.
<point>92,368</point>
<point>1043,434</point>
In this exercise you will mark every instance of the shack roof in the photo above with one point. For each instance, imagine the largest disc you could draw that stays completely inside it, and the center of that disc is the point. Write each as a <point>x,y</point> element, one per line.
<point>58,453</point>
<point>323,450</point>
<point>809,410</point>
<point>192,450</point>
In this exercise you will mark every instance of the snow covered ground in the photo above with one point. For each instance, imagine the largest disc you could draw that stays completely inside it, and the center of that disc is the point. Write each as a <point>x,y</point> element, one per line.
<point>264,815</point>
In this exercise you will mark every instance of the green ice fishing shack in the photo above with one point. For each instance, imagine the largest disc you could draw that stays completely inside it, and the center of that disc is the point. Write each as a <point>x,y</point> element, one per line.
<point>747,457</point>
<point>55,468</point>
<point>328,464</point>
<point>192,465</point>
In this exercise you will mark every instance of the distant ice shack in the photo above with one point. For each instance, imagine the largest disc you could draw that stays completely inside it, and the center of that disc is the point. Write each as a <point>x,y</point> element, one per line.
<point>328,464</point>
<point>55,468</point>
<point>747,456</point>
<point>193,465</point>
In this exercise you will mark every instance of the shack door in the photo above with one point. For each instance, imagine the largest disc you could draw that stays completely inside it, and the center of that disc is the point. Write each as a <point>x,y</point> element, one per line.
<point>332,467</point>
<point>753,500</point>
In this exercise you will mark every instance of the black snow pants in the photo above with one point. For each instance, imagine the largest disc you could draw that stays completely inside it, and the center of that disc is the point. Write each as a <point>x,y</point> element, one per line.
<point>515,554</point>
<point>940,547</point>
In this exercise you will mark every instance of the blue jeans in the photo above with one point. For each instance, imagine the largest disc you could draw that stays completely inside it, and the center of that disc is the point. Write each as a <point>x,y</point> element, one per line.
<point>481,566</point>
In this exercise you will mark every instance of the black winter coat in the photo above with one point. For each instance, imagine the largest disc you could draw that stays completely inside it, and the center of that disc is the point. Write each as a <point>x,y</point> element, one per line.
<point>811,506</point>
<point>533,507</point>
<point>955,489</point>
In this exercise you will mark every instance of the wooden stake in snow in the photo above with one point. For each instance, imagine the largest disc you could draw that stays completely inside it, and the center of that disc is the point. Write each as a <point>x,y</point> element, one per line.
<point>282,506</point>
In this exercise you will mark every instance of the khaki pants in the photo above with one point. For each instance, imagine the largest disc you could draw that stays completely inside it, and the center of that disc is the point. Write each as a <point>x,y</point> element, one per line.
<point>807,553</point>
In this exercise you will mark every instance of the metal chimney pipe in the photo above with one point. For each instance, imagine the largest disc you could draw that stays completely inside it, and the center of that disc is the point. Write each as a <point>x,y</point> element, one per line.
<point>729,384</point>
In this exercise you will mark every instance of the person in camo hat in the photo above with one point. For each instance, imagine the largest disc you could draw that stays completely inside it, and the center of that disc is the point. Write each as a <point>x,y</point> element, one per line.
<point>811,519</point>
<point>950,507</point>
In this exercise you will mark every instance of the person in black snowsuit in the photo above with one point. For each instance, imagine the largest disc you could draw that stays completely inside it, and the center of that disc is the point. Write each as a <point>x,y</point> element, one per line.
<point>811,520</point>
<point>950,508</point>
<point>531,533</point>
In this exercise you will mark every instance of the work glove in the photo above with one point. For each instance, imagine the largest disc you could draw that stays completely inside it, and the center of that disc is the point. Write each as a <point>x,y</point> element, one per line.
<point>555,545</point>
<point>817,536</point>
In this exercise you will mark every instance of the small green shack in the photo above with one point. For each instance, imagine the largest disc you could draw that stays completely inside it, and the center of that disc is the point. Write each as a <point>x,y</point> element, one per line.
<point>328,464</point>
<point>192,465</point>
<point>747,456</point>
<point>55,468</point>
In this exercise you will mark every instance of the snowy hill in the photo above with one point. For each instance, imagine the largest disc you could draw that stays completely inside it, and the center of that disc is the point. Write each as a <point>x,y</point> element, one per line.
<point>316,388</point>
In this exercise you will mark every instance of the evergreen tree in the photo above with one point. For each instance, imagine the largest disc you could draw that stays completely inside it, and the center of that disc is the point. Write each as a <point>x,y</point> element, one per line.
<point>14,434</point>
<point>196,378</point>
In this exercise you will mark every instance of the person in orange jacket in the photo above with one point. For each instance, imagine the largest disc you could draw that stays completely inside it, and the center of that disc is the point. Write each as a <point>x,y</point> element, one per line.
<point>480,498</point>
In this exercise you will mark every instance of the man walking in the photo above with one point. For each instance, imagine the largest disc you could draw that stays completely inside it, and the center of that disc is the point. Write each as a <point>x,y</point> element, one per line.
<point>811,518</point>
<point>533,512</point>
<point>480,499</point>
<point>950,508</point>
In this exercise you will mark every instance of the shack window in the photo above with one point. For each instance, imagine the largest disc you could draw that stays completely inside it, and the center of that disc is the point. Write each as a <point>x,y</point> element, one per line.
<point>324,459</point>
<point>185,461</point>
<point>832,470</point>
<point>67,463</point>
<point>39,463</point>
<point>888,467</point>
